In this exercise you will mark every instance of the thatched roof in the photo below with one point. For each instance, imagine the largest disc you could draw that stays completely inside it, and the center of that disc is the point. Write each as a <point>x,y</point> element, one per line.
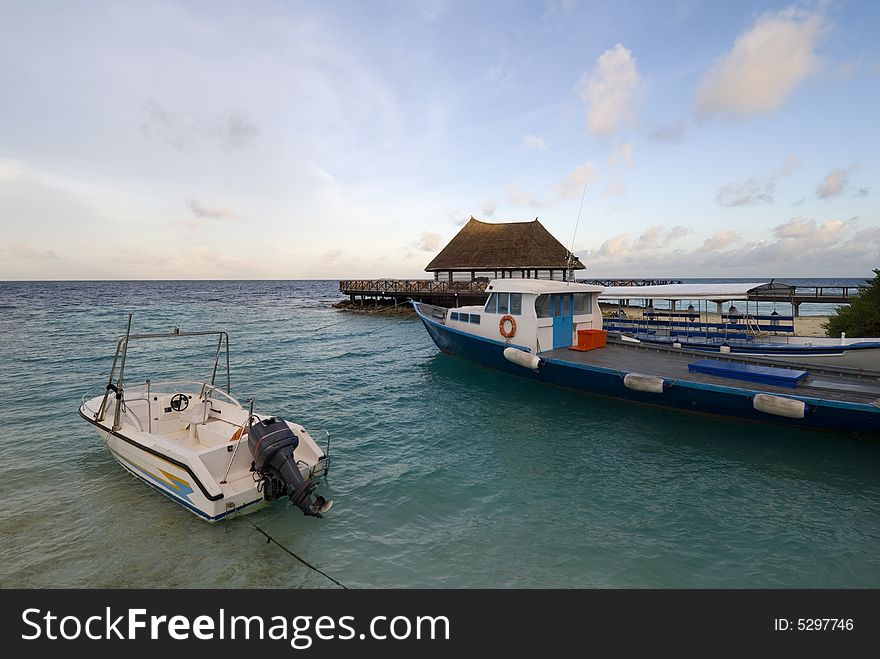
<point>484,246</point>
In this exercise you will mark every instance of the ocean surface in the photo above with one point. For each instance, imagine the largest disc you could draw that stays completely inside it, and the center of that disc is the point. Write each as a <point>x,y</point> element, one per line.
<point>445,474</point>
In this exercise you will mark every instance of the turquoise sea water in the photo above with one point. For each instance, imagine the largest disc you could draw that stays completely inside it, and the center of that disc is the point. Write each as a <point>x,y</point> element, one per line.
<point>445,473</point>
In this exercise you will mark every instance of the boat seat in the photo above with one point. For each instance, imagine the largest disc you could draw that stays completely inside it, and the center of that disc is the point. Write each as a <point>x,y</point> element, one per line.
<point>213,434</point>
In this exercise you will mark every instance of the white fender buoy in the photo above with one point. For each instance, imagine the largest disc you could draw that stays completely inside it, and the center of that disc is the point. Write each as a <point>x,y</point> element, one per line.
<point>788,407</point>
<point>629,339</point>
<point>646,383</point>
<point>522,358</point>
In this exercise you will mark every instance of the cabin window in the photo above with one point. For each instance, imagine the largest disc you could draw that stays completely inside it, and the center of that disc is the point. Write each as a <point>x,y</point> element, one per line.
<point>491,303</point>
<point>454,315</point>
<point>503,304</point>
<point>542,306</point>
<point>475,318</point>
<point>582,304</point>
<point>516,304</point>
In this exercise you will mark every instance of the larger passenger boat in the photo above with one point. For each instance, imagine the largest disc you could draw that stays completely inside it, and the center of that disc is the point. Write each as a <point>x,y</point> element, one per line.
<point>195,443</point>
<point>552,331</point>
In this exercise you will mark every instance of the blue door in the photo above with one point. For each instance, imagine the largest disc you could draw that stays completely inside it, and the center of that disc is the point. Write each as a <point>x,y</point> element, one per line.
<point>563,325</point>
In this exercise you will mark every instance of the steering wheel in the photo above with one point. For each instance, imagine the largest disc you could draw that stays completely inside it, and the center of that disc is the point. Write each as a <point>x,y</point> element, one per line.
<point>179,402</point>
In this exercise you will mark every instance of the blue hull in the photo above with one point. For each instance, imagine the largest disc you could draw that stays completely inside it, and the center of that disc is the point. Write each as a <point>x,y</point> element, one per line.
<point>683,395</point>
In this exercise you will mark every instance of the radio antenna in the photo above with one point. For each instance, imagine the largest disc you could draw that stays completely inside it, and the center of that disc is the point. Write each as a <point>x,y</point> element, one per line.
<point>570,265</point>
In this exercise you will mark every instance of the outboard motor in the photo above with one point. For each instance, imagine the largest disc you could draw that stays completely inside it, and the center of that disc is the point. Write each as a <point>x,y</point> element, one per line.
<point>272,444</point>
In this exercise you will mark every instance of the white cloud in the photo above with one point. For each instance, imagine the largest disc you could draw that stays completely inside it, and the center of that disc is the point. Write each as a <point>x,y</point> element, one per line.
<point>621,245</point>
<point>719,240</point>
<point>582,176</point>
<point>757,189</point>
<point>533,143</point>
<point>571,188</point>
<point>610,91</point>
<point>798,246</point>
<point>659,236</point>
<point>489,207</point>
<point>207,212</point>
<point>622,154</point>
<point>765,65</point>
<point>429,241</point>
<point>835,182</point>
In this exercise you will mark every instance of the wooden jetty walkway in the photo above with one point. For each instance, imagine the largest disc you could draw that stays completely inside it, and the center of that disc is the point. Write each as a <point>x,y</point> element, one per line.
<point>451,294</point>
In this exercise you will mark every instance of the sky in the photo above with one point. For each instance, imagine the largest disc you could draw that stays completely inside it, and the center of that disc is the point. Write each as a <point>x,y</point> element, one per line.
<point>313,140</point>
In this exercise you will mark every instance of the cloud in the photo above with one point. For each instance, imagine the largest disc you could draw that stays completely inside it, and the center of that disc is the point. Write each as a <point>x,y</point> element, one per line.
<point>560,8</point>
<point>757,189</point>
<point>671,132</point>
<point>533,143</point>
<point>610,91</point>
<point>719,240</point>
<point>489,207</point>
<point>835,182</point>
<point>231,130</point>
<point>614,189</point>
<point>622,154</point>
<point>204,211</point>
<point>429,241</point>
<point>582,176</point>
<point>571,188</point>
<point>500,75</point>
<point>765,65</point>
<point>861,192</point>
<point>653,238</point>
<point>659,236</point>
<point>23,251</point>
<point>798,246</point>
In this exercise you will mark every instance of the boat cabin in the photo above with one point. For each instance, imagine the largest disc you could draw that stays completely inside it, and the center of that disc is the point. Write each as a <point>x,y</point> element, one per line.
<point>531,313</point>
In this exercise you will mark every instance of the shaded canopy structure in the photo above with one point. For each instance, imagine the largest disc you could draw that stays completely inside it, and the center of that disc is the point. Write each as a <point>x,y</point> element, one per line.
<point>503,250</point>
<point>723,291</point>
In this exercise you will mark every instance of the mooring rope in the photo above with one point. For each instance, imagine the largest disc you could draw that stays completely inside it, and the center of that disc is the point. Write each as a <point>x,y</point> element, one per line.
<point>269,539</point>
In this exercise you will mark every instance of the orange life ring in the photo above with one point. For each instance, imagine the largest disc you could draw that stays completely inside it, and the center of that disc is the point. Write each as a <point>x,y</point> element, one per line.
<point>505,333</point>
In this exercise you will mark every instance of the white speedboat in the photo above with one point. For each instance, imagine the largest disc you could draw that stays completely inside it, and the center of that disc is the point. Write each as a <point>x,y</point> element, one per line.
<point>198,445</point>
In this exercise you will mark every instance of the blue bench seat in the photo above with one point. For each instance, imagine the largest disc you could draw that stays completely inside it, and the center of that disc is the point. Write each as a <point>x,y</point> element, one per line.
<point>782,377</point>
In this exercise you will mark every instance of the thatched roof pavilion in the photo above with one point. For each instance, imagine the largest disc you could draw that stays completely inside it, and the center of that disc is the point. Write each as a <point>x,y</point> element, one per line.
<point>506,250</point>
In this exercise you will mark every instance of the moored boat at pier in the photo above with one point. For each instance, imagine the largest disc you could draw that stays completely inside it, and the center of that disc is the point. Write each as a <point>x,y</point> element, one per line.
<point>553,332</point>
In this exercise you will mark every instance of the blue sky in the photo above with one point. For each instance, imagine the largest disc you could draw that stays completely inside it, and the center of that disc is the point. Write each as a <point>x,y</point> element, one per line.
<point>300,140</point>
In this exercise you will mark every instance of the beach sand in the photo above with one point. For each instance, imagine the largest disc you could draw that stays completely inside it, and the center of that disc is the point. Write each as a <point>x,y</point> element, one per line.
<point>803,325</point>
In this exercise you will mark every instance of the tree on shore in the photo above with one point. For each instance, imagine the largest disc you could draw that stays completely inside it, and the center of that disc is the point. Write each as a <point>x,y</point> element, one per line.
<point>861,317</point>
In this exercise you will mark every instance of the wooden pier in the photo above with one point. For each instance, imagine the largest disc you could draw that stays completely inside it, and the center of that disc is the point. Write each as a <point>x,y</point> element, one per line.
<point>396,291</point>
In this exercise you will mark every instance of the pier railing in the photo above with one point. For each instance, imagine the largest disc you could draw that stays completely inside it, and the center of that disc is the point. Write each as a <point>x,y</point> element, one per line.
<point>397,287</point>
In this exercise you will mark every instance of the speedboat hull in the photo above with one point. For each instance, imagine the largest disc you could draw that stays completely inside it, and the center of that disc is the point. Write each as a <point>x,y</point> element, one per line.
<point>175,476</point>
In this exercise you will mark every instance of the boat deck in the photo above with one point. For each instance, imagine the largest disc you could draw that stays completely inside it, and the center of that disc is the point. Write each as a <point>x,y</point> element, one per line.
<point>672,363</point>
